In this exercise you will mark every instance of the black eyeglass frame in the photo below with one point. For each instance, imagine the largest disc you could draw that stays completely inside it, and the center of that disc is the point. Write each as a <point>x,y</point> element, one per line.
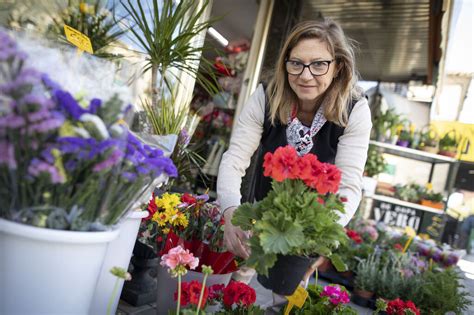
<point>308,66</point>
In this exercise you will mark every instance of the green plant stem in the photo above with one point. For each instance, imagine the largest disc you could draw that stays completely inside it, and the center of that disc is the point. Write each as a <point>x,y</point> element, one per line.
<point>179,295</point>
<point>111,300</point>
<point>202,294</point>
<point>316,277</point>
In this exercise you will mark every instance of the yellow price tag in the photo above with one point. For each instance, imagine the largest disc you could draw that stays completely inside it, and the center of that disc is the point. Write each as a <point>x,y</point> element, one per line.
<point>296,299</point>
<point>81,41</point>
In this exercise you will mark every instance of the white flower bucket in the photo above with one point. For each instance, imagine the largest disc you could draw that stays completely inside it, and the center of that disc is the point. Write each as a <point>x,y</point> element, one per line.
<point>46,271</point>
<point>369,185</point>
<point>118,254</point>
<point>167,286</point>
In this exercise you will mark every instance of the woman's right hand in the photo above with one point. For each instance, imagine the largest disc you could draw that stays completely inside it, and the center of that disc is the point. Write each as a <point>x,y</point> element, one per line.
<point>234,238</point>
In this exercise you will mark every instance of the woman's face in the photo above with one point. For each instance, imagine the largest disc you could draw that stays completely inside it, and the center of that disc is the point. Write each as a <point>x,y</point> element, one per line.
<point>307,86</point>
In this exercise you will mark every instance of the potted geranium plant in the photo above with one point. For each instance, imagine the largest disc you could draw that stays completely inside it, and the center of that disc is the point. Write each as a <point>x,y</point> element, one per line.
<point>69,172</point>
<point>375,165</point>
<point>429,140</point>
<point>296,222</point>
<point>448,144</point>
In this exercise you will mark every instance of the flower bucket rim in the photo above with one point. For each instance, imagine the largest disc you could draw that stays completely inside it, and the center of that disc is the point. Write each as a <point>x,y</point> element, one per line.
<point>59,236</point>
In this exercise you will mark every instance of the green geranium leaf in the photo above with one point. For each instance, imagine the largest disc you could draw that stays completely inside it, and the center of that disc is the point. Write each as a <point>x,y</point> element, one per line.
<point>279,234</point>
<point>259,260</point>
<point>244,216</point>
<point>338,262</point>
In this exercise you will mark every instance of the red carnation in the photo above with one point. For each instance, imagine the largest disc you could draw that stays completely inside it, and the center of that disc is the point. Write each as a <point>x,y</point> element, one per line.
<point>152,208</point>
<point>188,198</point>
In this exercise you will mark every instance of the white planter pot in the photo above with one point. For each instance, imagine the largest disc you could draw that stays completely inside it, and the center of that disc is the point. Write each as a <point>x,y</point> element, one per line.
<point>167,286</point>
<point>45,271</point>
<point>369,185</point>
<point>118,254</point>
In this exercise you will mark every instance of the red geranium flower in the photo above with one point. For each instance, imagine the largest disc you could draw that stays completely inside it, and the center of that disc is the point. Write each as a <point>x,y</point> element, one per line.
<point>216,291</point>
<point>238,293</point>
<point>398,247</point>
<point>184,294</point>
<point>353,235</point>
<point>282,164</point>
<point>398,307</point>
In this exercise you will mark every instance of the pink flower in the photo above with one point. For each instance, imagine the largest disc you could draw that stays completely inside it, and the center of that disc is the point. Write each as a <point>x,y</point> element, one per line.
<point>336,294</point>
<point>177,256</point>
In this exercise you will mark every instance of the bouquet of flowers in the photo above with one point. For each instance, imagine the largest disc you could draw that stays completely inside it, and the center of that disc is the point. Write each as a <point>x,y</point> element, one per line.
<point>299,215</point>
<point>192,222</point>
<point>66,163</point>
<point>397,307</point>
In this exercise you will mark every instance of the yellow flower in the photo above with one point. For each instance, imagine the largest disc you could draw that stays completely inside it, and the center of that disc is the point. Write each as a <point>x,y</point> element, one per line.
<point>166,231</point>
<point>182,220</point>
<point>161,218</point>
<point>168,201</point>
<point>429,186</point>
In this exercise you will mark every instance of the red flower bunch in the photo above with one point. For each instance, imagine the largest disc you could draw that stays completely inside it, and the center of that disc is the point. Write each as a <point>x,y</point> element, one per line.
<point>188,199</point>
<point>190,293</point>
<point>216,292</point>
<point>353,235</point>
<point>399,307</point>
<point>285,163</point>
<point>152,208</point>
<point>238,293</point>
<point>398,247</point>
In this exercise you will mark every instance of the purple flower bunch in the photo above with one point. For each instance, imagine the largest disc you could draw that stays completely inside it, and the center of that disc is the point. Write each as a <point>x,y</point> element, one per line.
<point>55,150</point>
<point>335,294</point>
<point>446,258</point>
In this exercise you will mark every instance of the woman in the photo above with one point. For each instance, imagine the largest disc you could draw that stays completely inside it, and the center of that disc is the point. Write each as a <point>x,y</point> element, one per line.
<point>311,103</point>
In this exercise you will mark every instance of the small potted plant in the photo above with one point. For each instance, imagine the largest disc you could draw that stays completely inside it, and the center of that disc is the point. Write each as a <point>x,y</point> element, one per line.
<point>448,144</point>
<point>405,135</point>
<point>365,281</point>
<point>431,199</point>
<point>296,222</point>
<point>429,140</point>
<point>330,299</point>
<point>411,192</point>
<point>375,165</point>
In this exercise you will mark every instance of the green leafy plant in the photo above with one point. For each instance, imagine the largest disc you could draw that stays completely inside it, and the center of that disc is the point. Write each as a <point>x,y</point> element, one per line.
<point>375,162</point>
<point>167,34</point>
<point>411,192</point>
<point>442,292</point>
<point>294,218</point>
<point>450,141</point>
<point>386,121</point>
<point>367,273</point>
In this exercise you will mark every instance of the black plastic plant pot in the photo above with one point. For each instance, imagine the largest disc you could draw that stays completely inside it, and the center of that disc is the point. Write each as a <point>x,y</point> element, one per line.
<point>287,273</point>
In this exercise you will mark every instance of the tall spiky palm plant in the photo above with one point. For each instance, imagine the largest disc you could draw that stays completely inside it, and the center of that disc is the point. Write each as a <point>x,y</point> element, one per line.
<point>167,33</point>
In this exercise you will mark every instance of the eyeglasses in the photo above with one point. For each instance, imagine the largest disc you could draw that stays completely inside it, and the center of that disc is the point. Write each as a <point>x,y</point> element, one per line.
<point>316,68</point>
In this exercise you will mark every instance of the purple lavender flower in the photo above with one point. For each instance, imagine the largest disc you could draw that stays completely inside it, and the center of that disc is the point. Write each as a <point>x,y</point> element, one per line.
<point>184,137</point>
<point>51,123</point>
<point>38,167</point>
<point>12,121</point>
<point>7,155</point>
<point>37,99</point>
<point>69,104</point>
<point>26,78</point>
<point>50,84</point>
<point>94,105</point>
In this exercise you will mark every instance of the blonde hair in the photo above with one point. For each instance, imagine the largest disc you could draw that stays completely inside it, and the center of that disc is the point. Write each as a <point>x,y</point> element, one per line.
<point>343,87</point>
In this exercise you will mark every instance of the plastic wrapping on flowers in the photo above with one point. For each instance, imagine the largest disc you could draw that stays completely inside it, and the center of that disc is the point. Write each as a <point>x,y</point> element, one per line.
<point>66,162</point>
